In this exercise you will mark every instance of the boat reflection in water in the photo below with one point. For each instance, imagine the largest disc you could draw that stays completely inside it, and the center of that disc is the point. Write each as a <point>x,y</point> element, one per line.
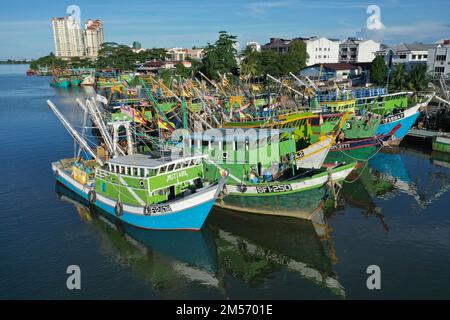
<point>254,247</point>
<point>160,257</point>
<point>251,248</point>
<point>387,176</point>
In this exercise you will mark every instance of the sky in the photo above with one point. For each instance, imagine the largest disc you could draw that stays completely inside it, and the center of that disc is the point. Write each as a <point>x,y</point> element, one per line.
<point>25,26</point>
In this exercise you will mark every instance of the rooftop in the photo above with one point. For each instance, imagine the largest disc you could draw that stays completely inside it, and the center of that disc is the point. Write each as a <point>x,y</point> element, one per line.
<point>336,66</point>
<point>146,161</point>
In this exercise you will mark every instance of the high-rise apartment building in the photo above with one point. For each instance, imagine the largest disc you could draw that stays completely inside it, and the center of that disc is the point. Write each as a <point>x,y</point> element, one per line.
<point>70,41</point>
<point>68,38</point>
<point>93,37</point>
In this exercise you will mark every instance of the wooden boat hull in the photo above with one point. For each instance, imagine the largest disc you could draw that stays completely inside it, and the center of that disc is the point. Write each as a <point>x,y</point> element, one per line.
<point>314,156</point>
<point>187,213</point>
<point>406,119</point>
<point>60,83</point>
<point>75,82</point>
<point>441,144</point>
<point>88,81</point>
<point>360,149</point>
<point>298,198</point>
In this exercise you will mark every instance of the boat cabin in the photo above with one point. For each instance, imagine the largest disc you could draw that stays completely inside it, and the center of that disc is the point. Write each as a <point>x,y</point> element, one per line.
<point>140,179</point>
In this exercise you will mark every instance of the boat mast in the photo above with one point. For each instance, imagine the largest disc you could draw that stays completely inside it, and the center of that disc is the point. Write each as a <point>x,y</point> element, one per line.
<point>73,132</point>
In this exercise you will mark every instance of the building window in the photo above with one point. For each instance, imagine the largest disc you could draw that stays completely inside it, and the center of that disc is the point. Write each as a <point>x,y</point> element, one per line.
<point>403,56</point>
<point>414,57</point>
<point>441,58</point>
<point>439,69</point>
<point>425,56</point>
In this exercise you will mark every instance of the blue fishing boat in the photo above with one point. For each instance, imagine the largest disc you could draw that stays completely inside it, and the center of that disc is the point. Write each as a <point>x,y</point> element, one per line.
<point>405,118</point>
<point>138,189</point>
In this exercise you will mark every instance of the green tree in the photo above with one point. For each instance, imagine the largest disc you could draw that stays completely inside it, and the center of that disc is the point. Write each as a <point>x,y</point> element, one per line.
<point>113,55</point>
<point>50,61</point>
<point>378,71</point>
<point>418,78</point>
<point>249,64</point>
<point>221,56</point>
<point>399,78</point>
<point>295,59</point>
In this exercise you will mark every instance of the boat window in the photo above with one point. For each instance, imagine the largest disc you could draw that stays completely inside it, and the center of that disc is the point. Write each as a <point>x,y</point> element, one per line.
<point>171,167</point>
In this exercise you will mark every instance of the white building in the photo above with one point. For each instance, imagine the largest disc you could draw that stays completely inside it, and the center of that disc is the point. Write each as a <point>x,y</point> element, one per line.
<point>321,50</point>
<point>180,54</point>
<point>408,53</point>
<point>93,38</point>
<point>439,60</point>
<point>67,37</point>
<point>355,50</point>
<point>254,46</point>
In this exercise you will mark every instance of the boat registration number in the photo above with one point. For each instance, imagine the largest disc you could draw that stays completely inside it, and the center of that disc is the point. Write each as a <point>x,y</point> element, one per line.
<point>274,189</point>
<point>393,118</point>
<point>158,210</point>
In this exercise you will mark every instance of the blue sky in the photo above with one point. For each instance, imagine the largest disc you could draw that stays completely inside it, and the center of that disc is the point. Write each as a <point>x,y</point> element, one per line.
<point>25,28</point>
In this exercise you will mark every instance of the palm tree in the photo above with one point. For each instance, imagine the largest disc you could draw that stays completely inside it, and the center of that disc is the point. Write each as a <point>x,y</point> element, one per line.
<point>418,78</point>
<point>400,79</point>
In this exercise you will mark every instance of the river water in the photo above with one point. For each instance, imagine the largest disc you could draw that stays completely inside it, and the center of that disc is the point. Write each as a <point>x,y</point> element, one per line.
<point>395,216</point>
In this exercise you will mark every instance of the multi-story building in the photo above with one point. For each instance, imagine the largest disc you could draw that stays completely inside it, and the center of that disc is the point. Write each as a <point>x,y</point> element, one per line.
<point>278,45</point>
<point>355,50</point>
<point>68,38</point>
<point>438,63</point>
<point>180,54</point>
<point>320,50</point>
<point>254,46</point>
<point>93,38</point>
<point>70,41</point>
<point>410,54</point>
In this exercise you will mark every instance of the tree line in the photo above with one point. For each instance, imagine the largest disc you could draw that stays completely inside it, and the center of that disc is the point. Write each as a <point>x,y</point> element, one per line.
<point>220,57</point>
<point>399,78</point>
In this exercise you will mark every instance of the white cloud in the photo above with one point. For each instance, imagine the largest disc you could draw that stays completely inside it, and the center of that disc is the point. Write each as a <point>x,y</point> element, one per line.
<point>260,8</point>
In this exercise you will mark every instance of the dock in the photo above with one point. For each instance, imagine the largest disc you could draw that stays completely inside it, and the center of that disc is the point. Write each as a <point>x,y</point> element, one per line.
<point>422,134</point>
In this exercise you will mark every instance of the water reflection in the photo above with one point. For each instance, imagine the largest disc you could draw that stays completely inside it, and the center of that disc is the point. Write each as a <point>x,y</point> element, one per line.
<point>160,258</point>
<point>252,248</point>
<point>387,175</point>
<point>246,247</point>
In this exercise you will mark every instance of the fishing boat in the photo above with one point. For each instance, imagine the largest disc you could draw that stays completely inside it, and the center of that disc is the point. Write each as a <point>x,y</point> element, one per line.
<point>441,142</point>
<point>75,81</point>
<point>146,192</point>
<point>60,82</point>
<point>88,80</point>
<point>350,150</point>
<point>262,163</point>
<point>406,118</point>
<point>261,198</point>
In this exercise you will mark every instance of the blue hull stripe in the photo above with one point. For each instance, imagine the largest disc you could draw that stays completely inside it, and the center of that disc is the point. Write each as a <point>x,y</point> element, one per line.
<point>189,219</point>
<point>406,123</point>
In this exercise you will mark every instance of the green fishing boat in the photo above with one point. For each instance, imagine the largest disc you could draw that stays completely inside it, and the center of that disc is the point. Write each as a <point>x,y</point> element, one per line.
<point>60,82</point>
<point>261,163</point>
<point>138,189</point>
<point>75,81</point>
<point>441,143</point>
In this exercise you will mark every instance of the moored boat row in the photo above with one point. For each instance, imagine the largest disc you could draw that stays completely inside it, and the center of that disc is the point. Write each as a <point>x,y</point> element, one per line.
<point>234,151</point>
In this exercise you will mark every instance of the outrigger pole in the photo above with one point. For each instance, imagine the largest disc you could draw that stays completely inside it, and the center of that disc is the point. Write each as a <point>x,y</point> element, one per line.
<point>284,85</point>
<point>74,133</point>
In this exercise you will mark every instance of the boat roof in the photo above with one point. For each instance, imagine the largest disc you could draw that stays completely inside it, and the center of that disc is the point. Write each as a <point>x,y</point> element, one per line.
<point>147,161</point>
<point>236,135</point>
